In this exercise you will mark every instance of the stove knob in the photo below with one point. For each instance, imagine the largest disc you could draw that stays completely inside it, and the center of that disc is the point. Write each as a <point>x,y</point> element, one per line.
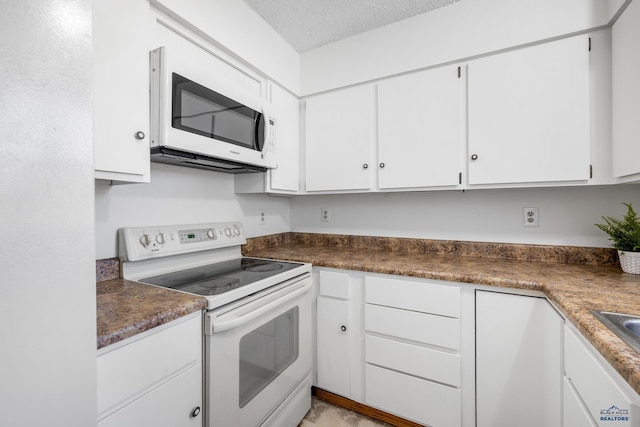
<point>211,233</point>
<point>160,239</point>
<point>236,230</point>
<point>144,240</point>
<point>228,232</point>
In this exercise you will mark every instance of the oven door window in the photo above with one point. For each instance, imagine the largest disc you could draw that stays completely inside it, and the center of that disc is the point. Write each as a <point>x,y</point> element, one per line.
<point>199,110</point>
<point>266,352</point>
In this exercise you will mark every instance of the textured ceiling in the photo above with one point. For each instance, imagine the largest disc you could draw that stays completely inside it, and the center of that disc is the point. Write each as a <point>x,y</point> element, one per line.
<point>307,24</point>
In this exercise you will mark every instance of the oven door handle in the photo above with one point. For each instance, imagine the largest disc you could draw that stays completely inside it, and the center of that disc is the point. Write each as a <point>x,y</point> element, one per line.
<point>248,312</point>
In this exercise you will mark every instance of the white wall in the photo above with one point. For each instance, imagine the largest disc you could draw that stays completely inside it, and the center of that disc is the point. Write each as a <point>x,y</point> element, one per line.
<point>178,195</point>
<point>462,30</point>
<point>567,215</point>
<point>47,286</point>
<point>235,27</point>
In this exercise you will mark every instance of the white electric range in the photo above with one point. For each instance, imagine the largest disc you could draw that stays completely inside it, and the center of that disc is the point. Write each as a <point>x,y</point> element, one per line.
<point>257,328</point>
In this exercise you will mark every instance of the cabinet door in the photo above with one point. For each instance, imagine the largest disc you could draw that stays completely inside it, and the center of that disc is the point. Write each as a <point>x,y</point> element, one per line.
<point>419,129</point>
<point>340,136</point>
<point>529,114</point>
<point>626,92</point>
<point>136,387</point>
<point>519,365</point>
<point>121,89</point>
<point>170,405</point>
<point>333,346</point>
<point>600,388</point>
<point>284,108</point>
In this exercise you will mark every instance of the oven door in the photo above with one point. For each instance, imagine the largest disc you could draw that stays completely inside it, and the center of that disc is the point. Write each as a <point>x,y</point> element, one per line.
<point>258,351</point>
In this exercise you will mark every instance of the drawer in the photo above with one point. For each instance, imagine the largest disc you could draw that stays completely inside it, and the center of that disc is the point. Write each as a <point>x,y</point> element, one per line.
<point>334,284</point>
<point>129,371</point>
<point>168,405</point>
<point>596,386</point>
<point>425,328</point>
<point>414,360</point>
<point>417,296</point>
<point>574,412</point>
<point>413,398</point>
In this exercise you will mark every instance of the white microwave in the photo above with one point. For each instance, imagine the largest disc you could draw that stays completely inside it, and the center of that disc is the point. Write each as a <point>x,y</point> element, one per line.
<point>195,124</point>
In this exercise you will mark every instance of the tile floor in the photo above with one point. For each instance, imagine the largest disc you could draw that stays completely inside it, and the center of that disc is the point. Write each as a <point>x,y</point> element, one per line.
<point>325,414</point>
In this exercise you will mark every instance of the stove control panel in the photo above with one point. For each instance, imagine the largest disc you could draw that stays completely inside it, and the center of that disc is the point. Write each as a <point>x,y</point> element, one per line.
<point>139,243</point>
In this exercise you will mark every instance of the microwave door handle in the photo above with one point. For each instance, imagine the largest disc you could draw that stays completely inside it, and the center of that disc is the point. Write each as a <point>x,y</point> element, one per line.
<point>235,321</point>
<point>257,120</point>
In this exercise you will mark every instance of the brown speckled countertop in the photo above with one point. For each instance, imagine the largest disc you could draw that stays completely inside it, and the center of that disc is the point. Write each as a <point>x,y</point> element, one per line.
<point>126,308</point>
<point>592,281</point>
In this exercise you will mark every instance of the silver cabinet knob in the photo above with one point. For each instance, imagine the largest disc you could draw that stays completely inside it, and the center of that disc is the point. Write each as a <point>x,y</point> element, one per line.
<point>365,166</point>
<point>381,165</point>
<point>474,157</point>
<point>140,135</point>
<point>343,328</point>
<point>195,412</point>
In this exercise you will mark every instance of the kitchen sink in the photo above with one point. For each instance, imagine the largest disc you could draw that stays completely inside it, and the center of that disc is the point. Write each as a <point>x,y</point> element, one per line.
<point>625,326</point>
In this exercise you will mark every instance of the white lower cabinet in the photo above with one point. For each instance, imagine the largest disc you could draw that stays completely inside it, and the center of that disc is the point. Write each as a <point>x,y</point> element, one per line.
<point>339,334</point>
<point>519,367</point>
<point>445,354</point>
<point>413,398</point>
<point>412,350</point>
<point>595,395</point>
<point>154,379</point>
<point>574,413</point>
<point>334,349</point>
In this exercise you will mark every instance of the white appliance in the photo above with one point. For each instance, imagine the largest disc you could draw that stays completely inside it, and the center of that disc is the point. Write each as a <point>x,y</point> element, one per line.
<point>200,120</point>
<point>257,329</point>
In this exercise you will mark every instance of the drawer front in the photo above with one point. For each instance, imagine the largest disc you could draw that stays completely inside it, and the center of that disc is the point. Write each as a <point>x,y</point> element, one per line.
<point>595,386</point>
<point>574,413</point>
<point>334,284</point>
<point>170,405</point>
<point>417,296</point>
<point>413,398</point>
<point>128,372</point>
<point>425,328</point>
<point>418,361</point>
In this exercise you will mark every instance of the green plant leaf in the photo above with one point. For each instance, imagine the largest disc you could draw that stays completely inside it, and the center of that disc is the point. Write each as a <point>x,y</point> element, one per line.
<point>625,232</point>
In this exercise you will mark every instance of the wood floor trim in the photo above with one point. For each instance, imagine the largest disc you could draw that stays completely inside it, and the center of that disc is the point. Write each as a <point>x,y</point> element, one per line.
<point>363,409</point>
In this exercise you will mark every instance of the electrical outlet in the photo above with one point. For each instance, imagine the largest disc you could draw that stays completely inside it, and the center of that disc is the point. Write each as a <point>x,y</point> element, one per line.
<point>325,214</point>
<point>262,218</point>
<point>530,217</point>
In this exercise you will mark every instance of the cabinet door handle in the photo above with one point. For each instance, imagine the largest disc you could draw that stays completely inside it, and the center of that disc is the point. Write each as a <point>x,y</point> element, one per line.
<point>365,166</point>
<point>474,157</point>
<point>381,165</point>
<point>195,412</point>
<point>343,328</point>
<point>140,135</point>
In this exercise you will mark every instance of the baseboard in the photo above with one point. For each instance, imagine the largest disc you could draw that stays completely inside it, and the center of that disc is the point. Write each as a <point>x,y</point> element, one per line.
<point>362,408</point>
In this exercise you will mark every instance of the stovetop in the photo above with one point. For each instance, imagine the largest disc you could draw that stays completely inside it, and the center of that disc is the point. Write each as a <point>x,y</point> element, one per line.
<point>221,277</point>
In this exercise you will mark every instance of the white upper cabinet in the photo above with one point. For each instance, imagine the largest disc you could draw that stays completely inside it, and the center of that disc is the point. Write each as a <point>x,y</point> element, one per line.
<point>340,136</point>
<point>420,137</point>
<point>121,31</point>
<point>284,108</point>
<point>529,115</point>
<point>626,93</point>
